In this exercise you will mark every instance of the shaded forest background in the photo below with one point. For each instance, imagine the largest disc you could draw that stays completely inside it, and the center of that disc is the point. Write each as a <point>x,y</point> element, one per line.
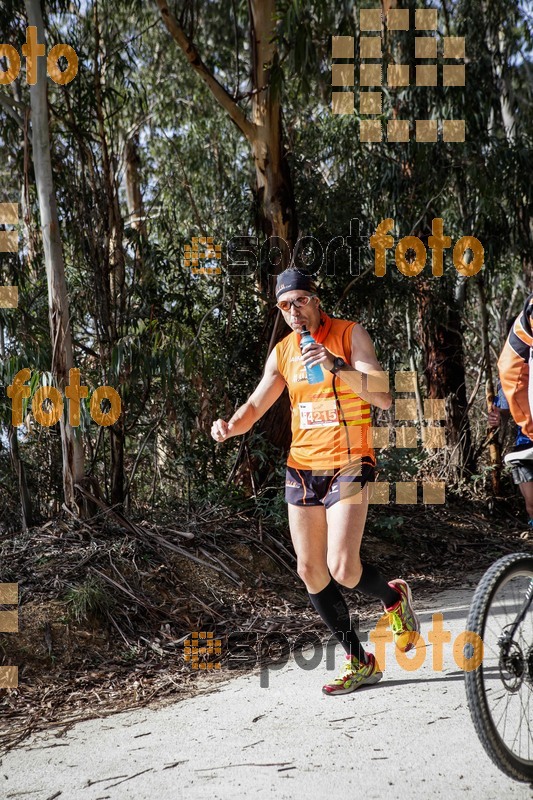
<point>190,120</point>
<point>201,119</point>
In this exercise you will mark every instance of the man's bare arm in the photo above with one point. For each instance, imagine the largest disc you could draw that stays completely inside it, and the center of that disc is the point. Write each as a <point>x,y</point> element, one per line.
<point>364,366</point>
<point>265,395</point>
<point>366,369</point>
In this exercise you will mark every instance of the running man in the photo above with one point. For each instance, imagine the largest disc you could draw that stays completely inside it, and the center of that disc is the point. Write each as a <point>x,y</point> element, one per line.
<point>330,463</point>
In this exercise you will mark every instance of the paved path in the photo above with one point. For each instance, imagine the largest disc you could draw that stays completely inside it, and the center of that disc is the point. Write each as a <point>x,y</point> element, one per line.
<point>408,736</point>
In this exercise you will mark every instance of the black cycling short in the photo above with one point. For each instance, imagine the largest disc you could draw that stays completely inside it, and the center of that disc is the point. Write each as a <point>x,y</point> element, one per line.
<point>307,487</point>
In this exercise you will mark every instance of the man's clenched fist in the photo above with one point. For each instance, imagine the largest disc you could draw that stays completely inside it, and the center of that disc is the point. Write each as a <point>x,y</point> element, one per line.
<point>220,430</point>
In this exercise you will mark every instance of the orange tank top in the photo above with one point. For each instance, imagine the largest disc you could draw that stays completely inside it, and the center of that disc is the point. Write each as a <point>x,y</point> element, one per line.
<point>330,423</point>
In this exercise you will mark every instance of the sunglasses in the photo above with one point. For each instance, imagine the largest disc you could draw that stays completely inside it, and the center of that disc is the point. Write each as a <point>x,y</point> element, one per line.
<point>298,302</point>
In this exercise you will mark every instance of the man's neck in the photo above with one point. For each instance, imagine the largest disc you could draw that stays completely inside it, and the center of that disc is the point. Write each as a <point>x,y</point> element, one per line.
<point>314,325</point>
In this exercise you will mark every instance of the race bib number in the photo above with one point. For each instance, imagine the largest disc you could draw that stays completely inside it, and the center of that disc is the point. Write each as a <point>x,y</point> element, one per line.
<point>320,414</point>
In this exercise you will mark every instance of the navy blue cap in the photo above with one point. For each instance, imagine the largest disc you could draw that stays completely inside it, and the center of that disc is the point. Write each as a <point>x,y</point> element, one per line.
<point>294,279</point>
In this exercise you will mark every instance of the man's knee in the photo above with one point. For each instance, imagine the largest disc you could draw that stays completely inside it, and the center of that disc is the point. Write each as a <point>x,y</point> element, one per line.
<point>526,489</point>
<point>310,573</point>
<point>346,573</point>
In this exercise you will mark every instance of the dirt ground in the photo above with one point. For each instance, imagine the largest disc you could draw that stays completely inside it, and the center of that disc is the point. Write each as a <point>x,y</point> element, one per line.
<point>105,614</point>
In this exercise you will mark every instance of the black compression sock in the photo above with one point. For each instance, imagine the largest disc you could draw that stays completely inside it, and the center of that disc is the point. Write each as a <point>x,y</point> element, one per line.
<point>331,606</point>
<point>374,584</point>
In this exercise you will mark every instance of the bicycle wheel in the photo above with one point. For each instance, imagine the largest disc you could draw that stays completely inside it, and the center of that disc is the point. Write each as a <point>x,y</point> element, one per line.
<point>499,691</point>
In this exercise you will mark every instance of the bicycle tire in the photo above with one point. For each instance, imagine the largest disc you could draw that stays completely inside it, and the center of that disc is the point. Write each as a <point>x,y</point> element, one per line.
<point>495,577</point>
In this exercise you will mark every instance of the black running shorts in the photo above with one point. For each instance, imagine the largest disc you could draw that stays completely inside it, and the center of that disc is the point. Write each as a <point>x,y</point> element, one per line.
<point>307,487</point>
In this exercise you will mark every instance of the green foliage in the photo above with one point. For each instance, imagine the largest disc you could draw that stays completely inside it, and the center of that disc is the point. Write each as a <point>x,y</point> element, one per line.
<point>400,464</point>
<point>90,599</point>
<point>270,505</point>
<point>389,527</point>
<point>187,349</point>
<point>131,655</point>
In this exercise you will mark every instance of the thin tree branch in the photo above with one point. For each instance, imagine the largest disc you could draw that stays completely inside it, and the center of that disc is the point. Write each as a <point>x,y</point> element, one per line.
<point>347,288</point>
<point>9,107</point>
<point>237,64</point>
<point>141,449</point>
<point>218,91</point>
<point>199,221</point>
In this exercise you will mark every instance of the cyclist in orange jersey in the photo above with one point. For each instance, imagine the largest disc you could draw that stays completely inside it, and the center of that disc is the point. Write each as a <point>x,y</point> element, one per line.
<point>330,463</point>
<point>513,397</point>
<point>513,366</point>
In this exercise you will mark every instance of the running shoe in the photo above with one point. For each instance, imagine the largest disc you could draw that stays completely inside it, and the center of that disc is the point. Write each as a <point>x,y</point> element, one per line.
<point>353,675</point>
<point>403,620</point>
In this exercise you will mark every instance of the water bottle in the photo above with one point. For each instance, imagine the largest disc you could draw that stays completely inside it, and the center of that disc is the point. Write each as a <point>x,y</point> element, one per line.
<point>314,374</point>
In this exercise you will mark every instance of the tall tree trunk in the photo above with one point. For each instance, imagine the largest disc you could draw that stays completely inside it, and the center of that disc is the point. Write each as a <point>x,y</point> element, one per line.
<point>274,185</point>
<point>26,508</point>
<point>276,210</point>
<point>61,333</point>
<point>497,47</point>
<point>494,444</point>
<point>440,329</point>
<point>134,200</point>
<point>412,363</point>
<point>501,79</point>
<point>114,282</point>
<point>275,196</point>
<point>275,202</point>
<point>27,517</point>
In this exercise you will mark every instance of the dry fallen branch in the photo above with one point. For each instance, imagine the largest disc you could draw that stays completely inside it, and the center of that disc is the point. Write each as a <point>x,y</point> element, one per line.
<point>164,588</point>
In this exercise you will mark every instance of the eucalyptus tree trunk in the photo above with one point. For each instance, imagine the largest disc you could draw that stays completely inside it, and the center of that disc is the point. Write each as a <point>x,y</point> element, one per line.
<point>276,210</point>
<point>444,369</point>
<point>412,364</point>
<point>26,508</point>
<point>264,133</point>
<point>439,316</point>
<point>134,200</point>
<point>497,47</point>
<point>502,82</point>
<point>60,330</point>
<point>112,308</point>
<point>492,435</point>
<point>274,184</point>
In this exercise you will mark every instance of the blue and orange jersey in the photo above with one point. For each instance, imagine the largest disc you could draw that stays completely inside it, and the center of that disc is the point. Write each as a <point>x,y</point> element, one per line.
<point>330,422</point>
<point>513,366</point>
<point>500,401</point>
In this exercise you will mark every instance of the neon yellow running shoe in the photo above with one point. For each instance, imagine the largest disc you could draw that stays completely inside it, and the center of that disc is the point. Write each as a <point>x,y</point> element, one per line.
<point>353,675</point>
<point>403,620</point>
